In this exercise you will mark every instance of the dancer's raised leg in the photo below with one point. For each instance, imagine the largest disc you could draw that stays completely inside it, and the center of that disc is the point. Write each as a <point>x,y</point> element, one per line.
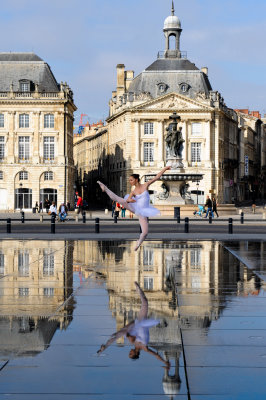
<point>143,312</point>
<point>143,221</point>
<point>114,196</point>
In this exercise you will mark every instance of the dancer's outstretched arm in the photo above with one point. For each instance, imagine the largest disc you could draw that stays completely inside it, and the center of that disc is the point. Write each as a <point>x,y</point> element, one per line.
<point>115,336</point>
<point>158,176</point>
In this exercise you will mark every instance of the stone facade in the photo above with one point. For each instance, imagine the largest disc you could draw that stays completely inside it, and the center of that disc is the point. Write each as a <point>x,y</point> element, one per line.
<point>36,134</point>
<point>251,182</point>
<point>139,112</point>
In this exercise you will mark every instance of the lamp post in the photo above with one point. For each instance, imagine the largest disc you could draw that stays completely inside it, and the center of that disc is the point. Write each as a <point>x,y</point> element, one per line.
<point>197,192</point>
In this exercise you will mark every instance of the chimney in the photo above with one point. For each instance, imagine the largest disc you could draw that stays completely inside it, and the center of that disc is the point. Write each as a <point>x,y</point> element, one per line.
<point>120,71</point>
<point>129,75</point>
<point>204,70</point>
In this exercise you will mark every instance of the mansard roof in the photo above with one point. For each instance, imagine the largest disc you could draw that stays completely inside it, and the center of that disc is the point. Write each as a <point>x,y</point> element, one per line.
<point>172,74</point>
<point>15,67</point>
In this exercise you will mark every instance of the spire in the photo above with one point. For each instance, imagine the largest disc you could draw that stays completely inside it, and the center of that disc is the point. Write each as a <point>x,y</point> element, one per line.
<point>173,8</point>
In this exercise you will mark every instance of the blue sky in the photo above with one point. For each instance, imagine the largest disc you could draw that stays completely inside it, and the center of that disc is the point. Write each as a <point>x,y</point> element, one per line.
<point>84,40</point>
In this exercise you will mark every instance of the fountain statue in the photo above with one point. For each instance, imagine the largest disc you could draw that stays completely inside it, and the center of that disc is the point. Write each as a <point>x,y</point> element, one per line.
<point>175,181</point>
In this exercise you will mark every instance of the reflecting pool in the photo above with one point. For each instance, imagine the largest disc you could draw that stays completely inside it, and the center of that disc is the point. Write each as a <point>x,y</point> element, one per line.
<point>74,324</point>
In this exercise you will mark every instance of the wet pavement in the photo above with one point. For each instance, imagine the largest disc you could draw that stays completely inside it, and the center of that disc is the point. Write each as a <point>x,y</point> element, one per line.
<point>203,336</point>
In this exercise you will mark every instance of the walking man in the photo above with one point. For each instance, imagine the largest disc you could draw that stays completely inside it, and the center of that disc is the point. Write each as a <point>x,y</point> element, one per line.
<point>208,204</point>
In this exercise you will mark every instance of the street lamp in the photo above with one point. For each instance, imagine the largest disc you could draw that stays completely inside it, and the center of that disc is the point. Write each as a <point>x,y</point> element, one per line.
<point>197,192</point>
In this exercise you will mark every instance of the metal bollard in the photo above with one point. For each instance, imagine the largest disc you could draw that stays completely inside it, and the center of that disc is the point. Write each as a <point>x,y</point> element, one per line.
<point>186,225</point>
<point>115,219</point>
<point>177,214</point>
<point>22,217</point>
<point>84,217</point>
<point>97,225</point>
<point>230,225</point>
<point>242,218</point>
<point>8,225</point>
<point>210,219</point>
<point>52,224</point>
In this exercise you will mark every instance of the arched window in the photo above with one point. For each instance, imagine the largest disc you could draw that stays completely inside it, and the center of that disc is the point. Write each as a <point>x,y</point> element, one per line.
<point>172,42</point>
<point>48,176</point>
<point>49,120</point>
<point>23,175</point>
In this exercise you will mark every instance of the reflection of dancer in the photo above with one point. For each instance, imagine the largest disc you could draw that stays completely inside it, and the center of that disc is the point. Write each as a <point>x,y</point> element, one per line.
<point>138,202</point>
<point>137,332</point>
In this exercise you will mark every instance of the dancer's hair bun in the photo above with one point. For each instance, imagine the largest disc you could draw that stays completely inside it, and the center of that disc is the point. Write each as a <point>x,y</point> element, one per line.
<point>136,176</point>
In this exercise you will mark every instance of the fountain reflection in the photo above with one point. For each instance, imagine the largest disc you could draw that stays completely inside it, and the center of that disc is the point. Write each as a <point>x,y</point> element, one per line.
<point>36,281</point>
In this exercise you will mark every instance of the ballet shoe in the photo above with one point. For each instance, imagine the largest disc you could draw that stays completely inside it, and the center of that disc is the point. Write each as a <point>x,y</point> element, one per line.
<point>102,186</point>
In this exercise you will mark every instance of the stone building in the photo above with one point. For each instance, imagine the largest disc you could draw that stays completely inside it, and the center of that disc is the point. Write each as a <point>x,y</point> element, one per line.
<point>140,108</point>
<point>36,133</point>
<point>91,160</point>
<point>251,182</point>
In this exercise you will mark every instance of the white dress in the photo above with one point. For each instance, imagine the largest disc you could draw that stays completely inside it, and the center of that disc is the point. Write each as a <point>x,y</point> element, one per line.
<point>140,329</point>
<point>142,206</point>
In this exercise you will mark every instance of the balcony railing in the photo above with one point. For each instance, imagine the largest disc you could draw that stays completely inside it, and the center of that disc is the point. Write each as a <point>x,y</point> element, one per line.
<point>161,54</point>
<point>31,95</point>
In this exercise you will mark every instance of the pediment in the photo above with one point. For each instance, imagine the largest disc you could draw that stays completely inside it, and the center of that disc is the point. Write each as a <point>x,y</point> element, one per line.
<point>174,101</point>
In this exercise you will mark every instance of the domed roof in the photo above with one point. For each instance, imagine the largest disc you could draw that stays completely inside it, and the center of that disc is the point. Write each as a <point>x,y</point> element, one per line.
<point>172,22</point>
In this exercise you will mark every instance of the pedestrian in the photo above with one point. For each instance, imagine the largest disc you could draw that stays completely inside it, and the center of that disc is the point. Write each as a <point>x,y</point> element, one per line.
<point>123,212</point>
<point>138,201</point>
<point>80,204</point>
<point>40,209</point>
<point>53,209</point>
<point>37,206</point>
<point>47,205</point>
<point>113,208</point>
<point>208,204</point>
<point>117,209</point>
<point>214,207</point>
<point>68,205</point>
<point>62,212</point>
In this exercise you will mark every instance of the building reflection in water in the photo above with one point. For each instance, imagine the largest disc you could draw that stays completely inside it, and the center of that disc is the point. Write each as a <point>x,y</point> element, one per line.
<point>36,279</point>
<point>187,285</point>
<point>184,283</point>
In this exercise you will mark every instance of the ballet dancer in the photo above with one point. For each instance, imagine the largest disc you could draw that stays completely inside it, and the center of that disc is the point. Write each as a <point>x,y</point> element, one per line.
<point>138,201</point>
<point>137,332</point>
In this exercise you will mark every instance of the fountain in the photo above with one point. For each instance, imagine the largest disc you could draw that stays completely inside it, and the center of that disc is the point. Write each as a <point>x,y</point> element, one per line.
<point>175,181</point>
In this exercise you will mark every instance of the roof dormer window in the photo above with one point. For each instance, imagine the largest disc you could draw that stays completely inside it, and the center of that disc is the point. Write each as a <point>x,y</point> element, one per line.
<point>184,87</point>
<point>24,86</point>
<point>162,87</point>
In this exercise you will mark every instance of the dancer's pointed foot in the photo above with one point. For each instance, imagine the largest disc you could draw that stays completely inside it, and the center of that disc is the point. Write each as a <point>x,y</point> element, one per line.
<point>102,186</point>
<point>137,246</point>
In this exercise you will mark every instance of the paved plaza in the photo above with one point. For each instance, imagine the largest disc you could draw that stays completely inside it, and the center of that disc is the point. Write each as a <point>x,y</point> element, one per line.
<point>61,300</point>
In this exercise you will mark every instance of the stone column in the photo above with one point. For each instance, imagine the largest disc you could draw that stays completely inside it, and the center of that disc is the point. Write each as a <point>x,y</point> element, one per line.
<point>207,135</point>
<point>185,137</point>
<point>160,144</point>
<point>137,142</point>
<point>10,151</point>
<point>35,144</point>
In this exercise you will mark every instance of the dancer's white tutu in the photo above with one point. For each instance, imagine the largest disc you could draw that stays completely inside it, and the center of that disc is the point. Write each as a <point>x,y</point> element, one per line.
<point>142,206</point>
